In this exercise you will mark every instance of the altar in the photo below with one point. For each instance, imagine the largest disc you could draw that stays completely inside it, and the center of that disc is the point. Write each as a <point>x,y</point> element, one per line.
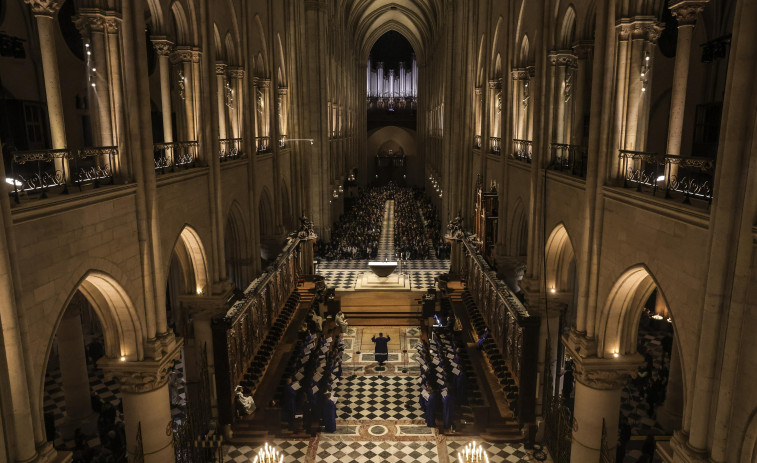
<point>382,278</point>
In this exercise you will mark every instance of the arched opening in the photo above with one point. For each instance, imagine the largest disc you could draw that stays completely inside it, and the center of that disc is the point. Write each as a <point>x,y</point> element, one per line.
<point>269,245</point>
<point>97,321</point>
<point>568,30</point>
<point>187,275</point>
<point>637,318</point>
<point>237,247</point>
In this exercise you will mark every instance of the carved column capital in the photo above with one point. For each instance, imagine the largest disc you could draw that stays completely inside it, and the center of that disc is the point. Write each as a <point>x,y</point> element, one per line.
<point>182,54</point>
<point>236,72</point>
<point>142,376</point>
<point>264,83</point>
<point>519,74</point>
<point>562,58</point>
<point>221,69</point>
<point>163,46</point>
<point>112,22</point>
<point>639,28</point>
<point>45,7</point>
<point>598,372</point>
<point>89,20</point>
<point>686,11</point>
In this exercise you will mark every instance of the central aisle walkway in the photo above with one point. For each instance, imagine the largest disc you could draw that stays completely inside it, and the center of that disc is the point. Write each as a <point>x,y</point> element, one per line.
<point>386,240</point>
<point>378,415</point>
<point>342,274</point>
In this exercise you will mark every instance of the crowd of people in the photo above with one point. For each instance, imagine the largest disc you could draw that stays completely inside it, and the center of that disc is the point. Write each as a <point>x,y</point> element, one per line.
<point>112,433</point>
<point>410,235</point>
<point>356,234</point>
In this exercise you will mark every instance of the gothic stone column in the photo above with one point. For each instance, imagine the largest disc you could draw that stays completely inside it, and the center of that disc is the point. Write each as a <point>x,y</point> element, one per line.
<point>73,366</point>
<point>183,56</point>
<point>163,48</point>
<point>221,99</point>
<point>599,382</point>
<point>147,403</point>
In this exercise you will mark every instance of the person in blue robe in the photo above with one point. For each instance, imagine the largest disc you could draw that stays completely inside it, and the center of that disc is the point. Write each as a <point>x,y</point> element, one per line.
<point>461,385</point>
<point>480,343</point>
<point>431,404</point>
<point>329,413</point>
<point>448,407</point>
<point>382,350</point>
<point>289,402</point>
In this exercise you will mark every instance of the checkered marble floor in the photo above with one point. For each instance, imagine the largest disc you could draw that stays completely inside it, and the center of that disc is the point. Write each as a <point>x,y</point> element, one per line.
<point>379,398</point>
<point>343,274</point>
<point>379,418</point>
<point>107,389</point>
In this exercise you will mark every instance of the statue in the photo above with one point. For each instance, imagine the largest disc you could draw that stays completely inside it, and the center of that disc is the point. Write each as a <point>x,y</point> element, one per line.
<point>455,228</point>
<point>305,231</point>
<point>245,403</point>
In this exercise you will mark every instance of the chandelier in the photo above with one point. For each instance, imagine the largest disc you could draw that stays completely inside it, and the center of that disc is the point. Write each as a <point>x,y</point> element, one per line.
<point>268,454</point>
<point>472,453</point>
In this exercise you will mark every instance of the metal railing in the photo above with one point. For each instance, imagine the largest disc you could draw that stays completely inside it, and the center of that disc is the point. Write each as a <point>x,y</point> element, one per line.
<point>170,156</point>
<point>477,141</point>
<point>262,145</point>
<point>568,158</point>
<point>495,145</point>
<point>38,172</point>
<point>678,176</point>
<point>522,150</point>
<point>230,148</point>
<point>282,141</point>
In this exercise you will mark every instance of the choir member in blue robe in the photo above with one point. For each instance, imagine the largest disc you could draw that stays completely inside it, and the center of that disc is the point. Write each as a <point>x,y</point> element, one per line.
<point>329,413</point>
<point>448,407</point>
<point>289,401</point>
<point>431,408</point>
<point>382,351</point>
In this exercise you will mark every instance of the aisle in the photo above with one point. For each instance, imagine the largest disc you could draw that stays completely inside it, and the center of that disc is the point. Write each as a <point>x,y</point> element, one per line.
<point>386,240</point>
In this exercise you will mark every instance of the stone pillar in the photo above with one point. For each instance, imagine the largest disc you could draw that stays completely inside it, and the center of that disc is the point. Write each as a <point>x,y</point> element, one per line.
<point>478,98</point>
<point>163,49</point>
<point>73,366</point>
<point>670,413</point>
<point>237,78</point>
<point>221,99</point>
<point>283,103</point>
<point>685,11</point>
<point>599,382</point>
<point>44,12</point>
<point>183,57</point>
<point>196,95</point>
<point>112,25</point>
<point>583,51</point>
<point>91,24</point>
<point>147,403</point>
<point>20,430</point>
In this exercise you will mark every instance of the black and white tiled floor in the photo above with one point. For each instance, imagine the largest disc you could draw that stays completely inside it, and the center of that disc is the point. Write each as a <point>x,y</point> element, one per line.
<point>379,398</point>
<point>379,419</point>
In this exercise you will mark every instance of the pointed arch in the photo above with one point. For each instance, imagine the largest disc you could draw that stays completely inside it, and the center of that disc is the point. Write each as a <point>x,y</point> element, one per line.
<point>264,45</point>
<point>282,77</point>
<point>230,50</point>
<point>519,231</point>
<point>618,322</point>
<point>181,23</point>
<point>480,63</point>
<point>218,44</point>
<point>191,256</point>
<point>560,257</point>
<point>495,58</point>
<point>497,67</point>
<point>523,56</point>
<point>122,328</point>
<point>568,29</point>
<point>265,212</point>
<point>237,246</point>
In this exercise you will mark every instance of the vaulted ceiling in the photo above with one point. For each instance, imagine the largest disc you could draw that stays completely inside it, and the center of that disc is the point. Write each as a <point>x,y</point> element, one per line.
<point>417,20</point>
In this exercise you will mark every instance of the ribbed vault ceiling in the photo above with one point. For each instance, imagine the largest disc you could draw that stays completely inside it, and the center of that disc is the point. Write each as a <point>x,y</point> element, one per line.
<point>417,20</point>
